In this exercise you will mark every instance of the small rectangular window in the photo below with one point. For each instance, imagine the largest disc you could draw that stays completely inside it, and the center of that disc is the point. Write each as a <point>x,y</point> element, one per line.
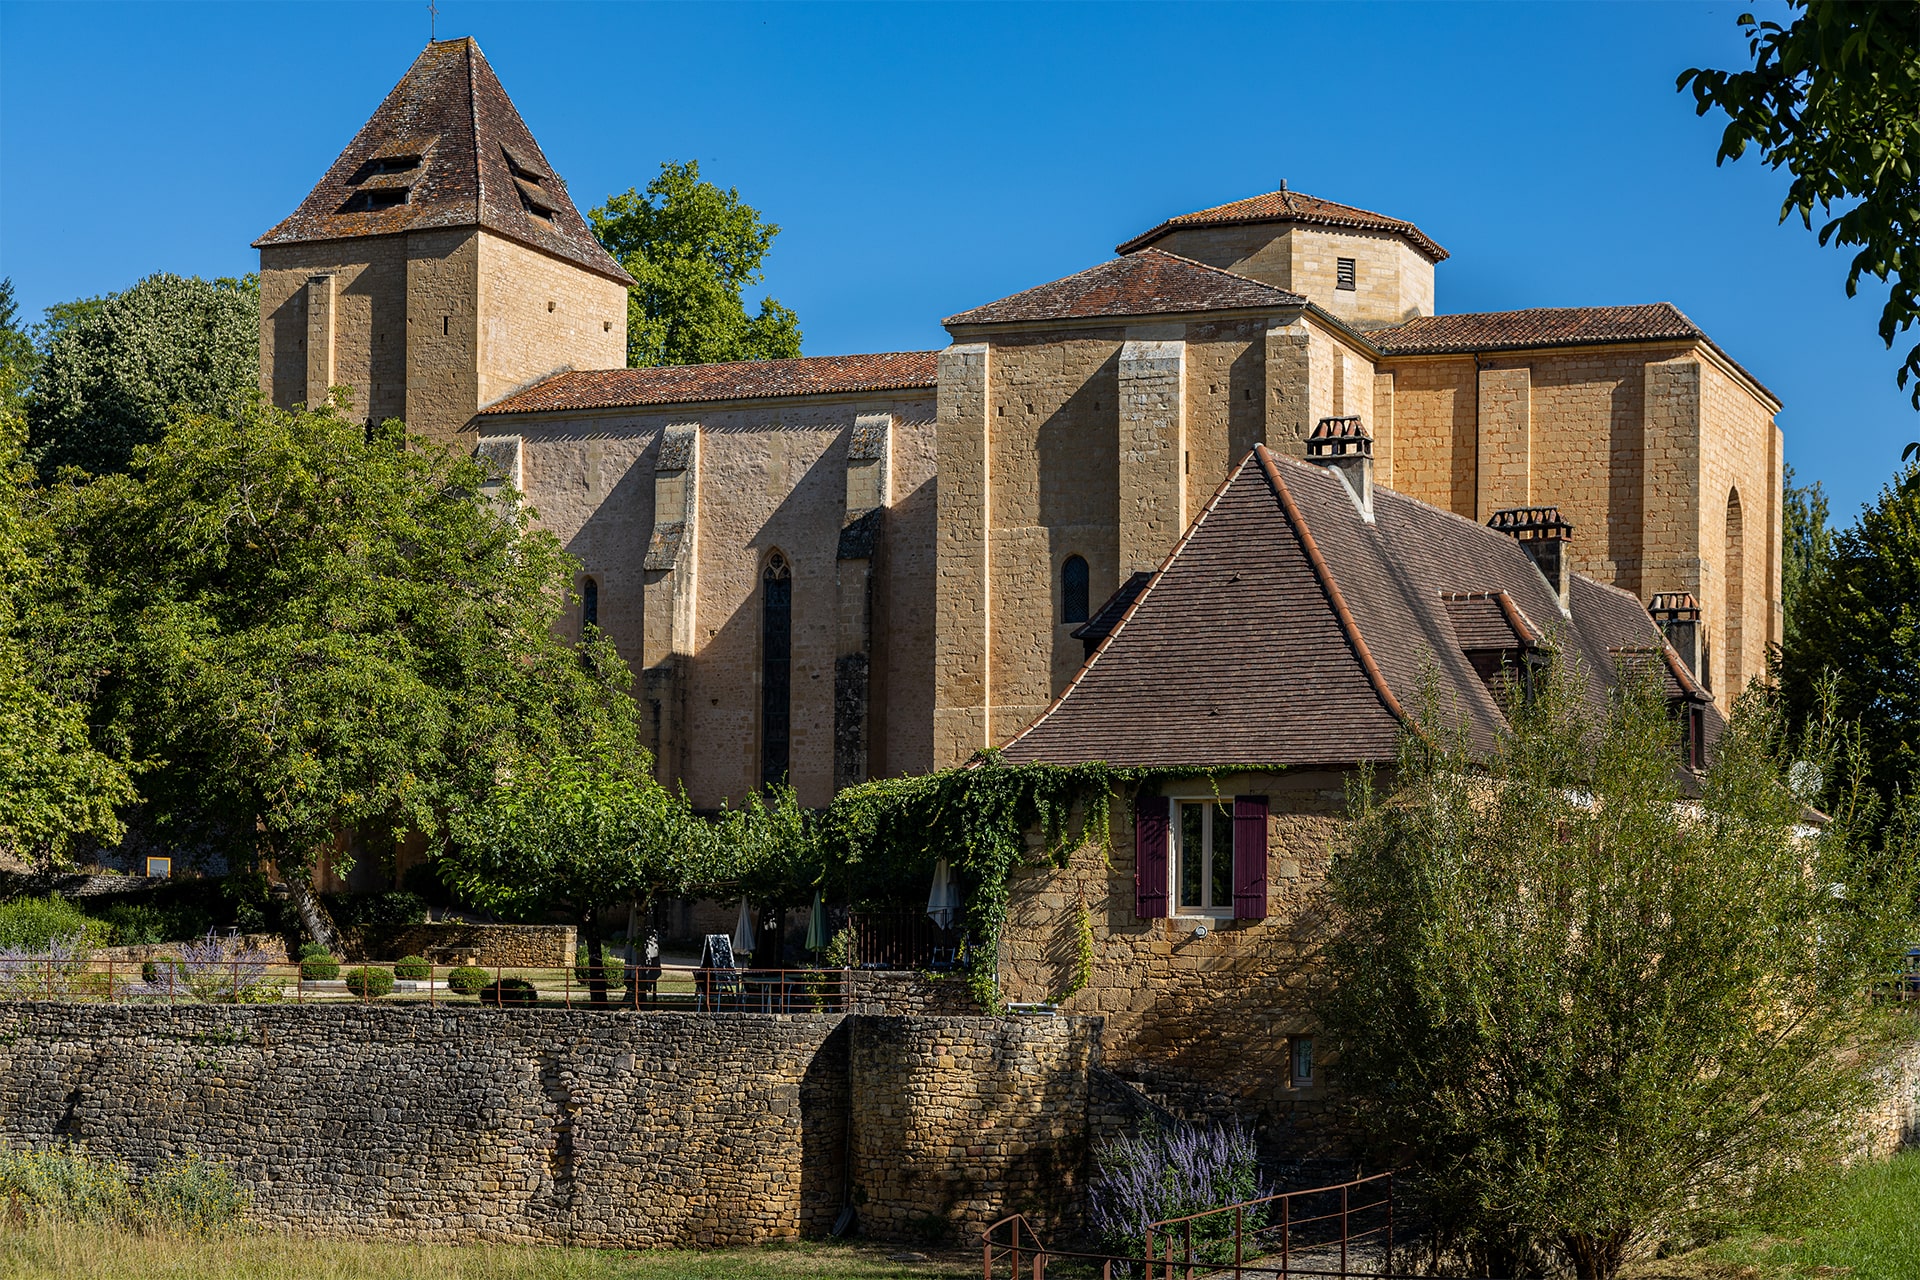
<point>1345,270</point>
<point>1203,857</point>
<point>160,868</point>
<point>1302,1056</point>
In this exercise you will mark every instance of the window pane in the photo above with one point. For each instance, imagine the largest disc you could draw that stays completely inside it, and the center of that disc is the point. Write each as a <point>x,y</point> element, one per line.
<point>1222,856</point>
<point>1303,1060</point>
<point>1193,847</point>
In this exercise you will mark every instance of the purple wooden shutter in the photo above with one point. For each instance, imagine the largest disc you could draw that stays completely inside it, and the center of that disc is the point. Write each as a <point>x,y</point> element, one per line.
<point>1249,857</point>
<point>1150,857</point>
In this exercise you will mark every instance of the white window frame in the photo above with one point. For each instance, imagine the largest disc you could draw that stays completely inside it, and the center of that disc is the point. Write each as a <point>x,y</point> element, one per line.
<point>1175,827</point>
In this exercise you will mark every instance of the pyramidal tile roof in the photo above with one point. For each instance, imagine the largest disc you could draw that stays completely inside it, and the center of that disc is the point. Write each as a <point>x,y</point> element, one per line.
<point>1290,206</point>
<point>1287,629</point>
<point>1142,284</point>
<point>447,149</point>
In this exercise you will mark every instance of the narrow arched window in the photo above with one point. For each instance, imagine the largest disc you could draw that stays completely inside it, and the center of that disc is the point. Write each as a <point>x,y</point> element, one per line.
<point>589,604</point>
<point>776,668</point>
<point>1073,590</point>
<point>1734,628</point>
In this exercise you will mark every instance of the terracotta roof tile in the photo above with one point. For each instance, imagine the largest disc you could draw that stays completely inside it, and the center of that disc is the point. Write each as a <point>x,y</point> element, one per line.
<point>449,111</point>
<point>1535,327</point>
<point>1290,206</point>
<point>1236,655</point>
<point>1143,284</point>
<point>740,380</point>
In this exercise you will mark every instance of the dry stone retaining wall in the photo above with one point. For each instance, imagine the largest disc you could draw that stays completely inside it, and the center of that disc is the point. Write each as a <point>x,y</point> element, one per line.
<point>615,1129</point>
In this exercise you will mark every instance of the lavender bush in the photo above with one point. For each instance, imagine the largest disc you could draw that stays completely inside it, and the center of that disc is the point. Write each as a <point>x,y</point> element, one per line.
<point>215,970</point>
<point>52,972</point>
<point>1169,1174</point>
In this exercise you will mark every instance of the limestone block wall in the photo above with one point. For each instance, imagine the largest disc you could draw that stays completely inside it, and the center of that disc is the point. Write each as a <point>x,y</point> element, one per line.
<point>539,316</point>
<point>605,1129</point>
<point>1393,281</point>
<point>770,475</point>
<point>1206,1017</point>
<point>505,945</point>
<point>369,321</point>
<point>959,1122</point>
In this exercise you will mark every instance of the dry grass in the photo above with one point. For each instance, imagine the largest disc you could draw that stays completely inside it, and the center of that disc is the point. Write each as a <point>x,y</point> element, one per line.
<point>113,1255</point>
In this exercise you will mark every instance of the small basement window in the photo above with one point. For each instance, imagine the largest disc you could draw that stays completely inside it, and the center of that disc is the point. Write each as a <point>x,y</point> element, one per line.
<point>1203,857</point>
<point>1300,1056</point>
<point>1344,272</point>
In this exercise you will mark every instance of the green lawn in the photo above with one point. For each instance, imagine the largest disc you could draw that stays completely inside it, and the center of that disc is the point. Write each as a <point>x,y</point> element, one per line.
<point>112,1255</point>
<point>1869,1231</point>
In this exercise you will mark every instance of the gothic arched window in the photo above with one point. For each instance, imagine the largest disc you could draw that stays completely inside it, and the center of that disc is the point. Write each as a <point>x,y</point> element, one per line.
<point>1073,590</point>
<point>776,668</point>
<point>589,604</point>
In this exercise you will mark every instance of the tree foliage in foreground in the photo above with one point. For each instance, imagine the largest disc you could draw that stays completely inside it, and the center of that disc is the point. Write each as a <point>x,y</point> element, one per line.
<point>309,628</point>
<point>1856,623</point>
<point>692,249</point>
<point>1588,1006</point>
<point>1834,98</point>
<point>114,371</point>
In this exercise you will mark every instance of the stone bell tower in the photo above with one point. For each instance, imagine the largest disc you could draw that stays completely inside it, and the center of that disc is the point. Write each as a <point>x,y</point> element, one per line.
<point>439,266</point>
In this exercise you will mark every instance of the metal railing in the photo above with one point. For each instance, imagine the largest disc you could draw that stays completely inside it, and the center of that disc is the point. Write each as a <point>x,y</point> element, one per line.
<point>903,940</point>
<point>240,980</point>
<point>1268,1238</point>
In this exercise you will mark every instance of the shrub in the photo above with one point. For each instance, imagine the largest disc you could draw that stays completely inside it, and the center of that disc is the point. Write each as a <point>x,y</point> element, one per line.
<point>412,968</point>
<point>65,1184</point>
<point>227,971</point>
<point>31,924</point>
<point>369,983</point>
<point>395,906</point>
<point>136,924</point>
<point>615,968</point>
<point>467,979</point>
<point>193,1194</point>
<point>48,972</point>
<point>317,964</point>
<point>1160,1175</point>
<point>514,991</point>
<point>155,973</point>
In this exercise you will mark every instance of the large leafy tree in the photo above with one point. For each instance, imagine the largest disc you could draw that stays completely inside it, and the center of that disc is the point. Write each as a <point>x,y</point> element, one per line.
<point>312,627</point>
<point>692,249</point>
<point>56,788</point>
<point>17,362</point>
<point>1806,546</point>
<point>574,834</point>
<point>1857,625</point>
<point>113,371</point>
<point>1834,99</point>
<point>1589,999</point>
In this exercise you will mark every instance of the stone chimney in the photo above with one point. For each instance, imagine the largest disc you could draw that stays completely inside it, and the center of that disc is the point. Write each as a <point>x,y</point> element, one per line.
<point>1543,534</point>
<point>1677,614</point>
<point>1342,445</point>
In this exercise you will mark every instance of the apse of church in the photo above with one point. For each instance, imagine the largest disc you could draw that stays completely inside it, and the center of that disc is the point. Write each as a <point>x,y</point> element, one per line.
<point>845,567</point>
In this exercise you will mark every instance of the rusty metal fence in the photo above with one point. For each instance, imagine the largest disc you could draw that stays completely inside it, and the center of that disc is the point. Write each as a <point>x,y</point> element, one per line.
<point>1332,1232</point>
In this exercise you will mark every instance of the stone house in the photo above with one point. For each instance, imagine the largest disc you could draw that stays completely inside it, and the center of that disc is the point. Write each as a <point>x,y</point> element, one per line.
<point>844,567</point>
<point>1280,648</point>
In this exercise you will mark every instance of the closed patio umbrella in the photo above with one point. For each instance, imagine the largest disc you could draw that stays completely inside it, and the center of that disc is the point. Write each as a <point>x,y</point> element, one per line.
<point>817,923</point>
<point>743,931</point>
<point>943,900</point>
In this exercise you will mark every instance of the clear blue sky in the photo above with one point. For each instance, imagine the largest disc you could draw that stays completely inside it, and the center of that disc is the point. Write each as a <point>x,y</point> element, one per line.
<point>922,159</point>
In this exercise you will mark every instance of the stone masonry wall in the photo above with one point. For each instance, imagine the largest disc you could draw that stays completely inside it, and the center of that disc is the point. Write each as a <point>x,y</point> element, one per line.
<point>606,1129</point>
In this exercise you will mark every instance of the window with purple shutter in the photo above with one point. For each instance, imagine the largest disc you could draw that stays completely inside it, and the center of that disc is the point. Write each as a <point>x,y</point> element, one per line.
<point>1249,857</point>
<point>1150,857</point>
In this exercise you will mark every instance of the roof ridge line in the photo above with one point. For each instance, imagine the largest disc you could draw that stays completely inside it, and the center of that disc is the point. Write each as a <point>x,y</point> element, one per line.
<point>473,119</point>
<point>1193,527</point>
<point>1324,573</point>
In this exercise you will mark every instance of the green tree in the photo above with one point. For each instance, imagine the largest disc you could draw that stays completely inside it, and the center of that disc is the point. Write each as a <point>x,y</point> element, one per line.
<point>1858,625</point>
<point>692,249</point>
<point>1807,545</point>
<point>56,789</point>
<point>575,834</point>
<point>113,371</point>
<point>1589,998</point>
<point>1834,98</point>
<point>17,362</point>
<point>314,627</point>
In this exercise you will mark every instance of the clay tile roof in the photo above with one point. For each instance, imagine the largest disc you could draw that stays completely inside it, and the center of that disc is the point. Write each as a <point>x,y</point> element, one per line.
<point>1290,206</point>
<point>1108,615</point>
<point>450,111</point>
<point>1286,630</point>
<point>741,380</point>
<point>1535,327</point>
<point>1142,284</point>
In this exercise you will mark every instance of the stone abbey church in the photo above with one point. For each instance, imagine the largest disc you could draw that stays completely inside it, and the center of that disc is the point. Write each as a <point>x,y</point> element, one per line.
<point>845,567</point>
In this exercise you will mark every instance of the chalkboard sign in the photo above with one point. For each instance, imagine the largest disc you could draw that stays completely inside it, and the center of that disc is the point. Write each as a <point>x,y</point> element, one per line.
<point>718,953</point>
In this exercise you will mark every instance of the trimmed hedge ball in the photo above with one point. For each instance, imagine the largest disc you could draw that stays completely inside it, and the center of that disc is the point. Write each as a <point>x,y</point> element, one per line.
<point>319,967</point>
<point>468,979</point>
<point>369,983</point>
<point>509,991</point>
<point>412,968</point>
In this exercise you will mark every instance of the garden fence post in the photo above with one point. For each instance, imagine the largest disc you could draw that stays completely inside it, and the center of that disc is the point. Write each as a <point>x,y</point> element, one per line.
<point>1238,1220</point>
<point>1286,1230</point>
<point>236,977</point>
<point>1389,1224</point>
<point>431,966</point>
<point>567,986</point>
<point>1343,1232</point>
